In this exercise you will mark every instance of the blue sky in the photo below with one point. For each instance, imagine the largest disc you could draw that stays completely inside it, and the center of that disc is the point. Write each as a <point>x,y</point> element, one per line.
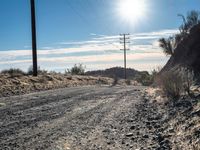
<point>86,31</point>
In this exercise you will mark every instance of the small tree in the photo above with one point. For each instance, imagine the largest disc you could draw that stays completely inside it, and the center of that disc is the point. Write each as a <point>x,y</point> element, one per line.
<point>77,70</point>
<point>14,72</point>
<point>168,45</point>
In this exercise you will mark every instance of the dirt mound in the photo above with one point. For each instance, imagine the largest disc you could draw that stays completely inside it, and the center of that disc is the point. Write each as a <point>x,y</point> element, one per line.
<point>25,84</point>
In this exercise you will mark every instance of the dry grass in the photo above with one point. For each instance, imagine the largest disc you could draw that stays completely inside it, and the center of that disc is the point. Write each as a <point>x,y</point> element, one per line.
<point>172,84</point>
<point>25,84</point>
<point>185,123</point>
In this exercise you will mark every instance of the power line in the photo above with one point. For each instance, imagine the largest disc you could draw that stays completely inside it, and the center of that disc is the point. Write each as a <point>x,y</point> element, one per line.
<point>124,41</point>
<point>77,13</point>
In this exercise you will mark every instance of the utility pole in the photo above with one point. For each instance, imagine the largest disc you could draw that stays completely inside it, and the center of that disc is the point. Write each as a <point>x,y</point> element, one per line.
<point>34,42</point>
<point>124,41</point>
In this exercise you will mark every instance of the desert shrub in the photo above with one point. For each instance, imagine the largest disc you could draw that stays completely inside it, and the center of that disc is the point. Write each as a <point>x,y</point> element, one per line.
<point>168,45</point>
<point>171,84</point>
<point>76,70</point>
<point>14,72</point>
<point>144,78</point>
<point>188,81</point>
<point>191,19</point>
<point>128,82</point>
<point>115,80</point>
<point>102,81</point>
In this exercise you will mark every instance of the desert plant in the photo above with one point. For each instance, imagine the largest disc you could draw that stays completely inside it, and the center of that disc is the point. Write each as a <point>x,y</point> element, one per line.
<point>14,72</point>
<point>115,80</point>
<point>188,80</point>
<point>172,84</point>
<point>76,70</point>
<point>156,71</point>
<point>144,78</point>
<point>192,19</point>
<point>168,45</point>
<point>128,82</point>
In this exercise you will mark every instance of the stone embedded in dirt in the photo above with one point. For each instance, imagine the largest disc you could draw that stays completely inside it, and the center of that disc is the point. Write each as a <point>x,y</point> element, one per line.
<point>129,134</point>
<point>123,142</point>
<point>149,127</point>
<point>132,127</point>
<point>138,133</point>
<point>131,146</point>
<point>148,123</point>
<point>130,120</point>
<point>145,136</point>
<point>151,118</point>
<point>159,138</point>
<point>197,133</point>
<point>133,138</point>
<point>156,126</point>
<point>171,130</point>
<point>196,113</point>
<point>106,130</point>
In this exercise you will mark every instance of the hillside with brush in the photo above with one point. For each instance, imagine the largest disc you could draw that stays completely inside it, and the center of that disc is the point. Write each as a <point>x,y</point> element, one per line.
<point>187,52</point>
<point>184,47</point>
<point>117,72</point>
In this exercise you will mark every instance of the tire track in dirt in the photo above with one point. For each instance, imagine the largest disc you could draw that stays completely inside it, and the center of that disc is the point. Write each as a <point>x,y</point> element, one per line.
<point>62,113</point>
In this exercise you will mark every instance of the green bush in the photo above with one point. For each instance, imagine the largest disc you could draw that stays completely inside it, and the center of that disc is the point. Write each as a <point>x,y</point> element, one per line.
<point>14,72</point>
<point>144,78</point>
<point>76,70</point>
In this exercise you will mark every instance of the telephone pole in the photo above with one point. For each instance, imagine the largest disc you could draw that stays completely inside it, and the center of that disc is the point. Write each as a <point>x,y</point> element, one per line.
<point>124,41</point>
<point>34,42</point>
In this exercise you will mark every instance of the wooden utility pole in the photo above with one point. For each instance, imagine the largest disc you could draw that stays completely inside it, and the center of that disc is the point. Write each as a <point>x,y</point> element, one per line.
<point>34,41</point>
<point>124,42</point>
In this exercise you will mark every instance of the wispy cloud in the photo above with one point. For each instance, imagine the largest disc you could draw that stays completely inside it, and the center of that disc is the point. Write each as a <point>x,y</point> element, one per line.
<point>101,51</point>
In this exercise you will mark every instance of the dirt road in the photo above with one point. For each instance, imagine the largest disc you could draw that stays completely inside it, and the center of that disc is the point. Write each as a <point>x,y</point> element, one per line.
<point>75,118</point>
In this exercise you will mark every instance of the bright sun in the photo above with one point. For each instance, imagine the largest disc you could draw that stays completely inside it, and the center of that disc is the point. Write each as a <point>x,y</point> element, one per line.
<point>132,10</point>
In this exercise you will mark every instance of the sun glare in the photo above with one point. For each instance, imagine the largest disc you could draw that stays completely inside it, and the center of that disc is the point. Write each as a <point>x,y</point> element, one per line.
<point>132,10</point>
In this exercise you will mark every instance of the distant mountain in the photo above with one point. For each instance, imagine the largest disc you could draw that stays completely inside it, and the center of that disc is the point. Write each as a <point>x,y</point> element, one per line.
<point>187,53</point>
<point>117,72</point>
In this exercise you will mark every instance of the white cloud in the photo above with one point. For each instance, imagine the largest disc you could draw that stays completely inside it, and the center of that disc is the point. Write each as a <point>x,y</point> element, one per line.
<point>104,45</point>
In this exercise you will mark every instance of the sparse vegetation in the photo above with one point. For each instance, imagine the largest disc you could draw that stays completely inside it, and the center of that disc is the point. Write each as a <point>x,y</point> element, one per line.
<point>128,82</point>
<point>144,78</point>
<point>76,70</point>
<point>172,84</point>
<point>115,81</point>
<point>175,84</point>
<point>188,79</point>
<point>13,72</point>
<point>169,44</point>
<point>191,19</point>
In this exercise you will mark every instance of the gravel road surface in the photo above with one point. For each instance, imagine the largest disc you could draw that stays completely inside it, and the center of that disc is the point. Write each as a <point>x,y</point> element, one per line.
<point>76,118</point>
